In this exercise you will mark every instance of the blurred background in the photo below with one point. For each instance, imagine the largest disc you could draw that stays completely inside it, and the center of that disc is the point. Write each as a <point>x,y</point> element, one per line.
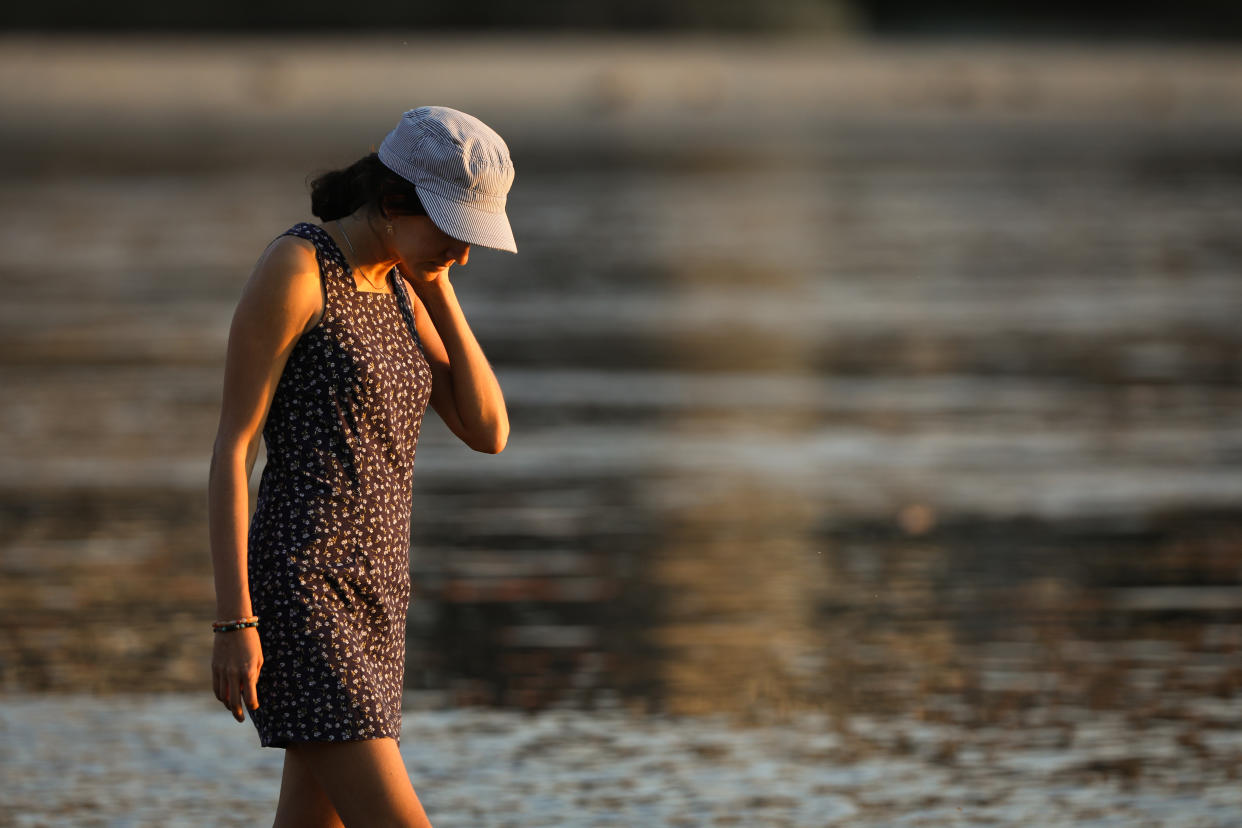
<point>864,358</point>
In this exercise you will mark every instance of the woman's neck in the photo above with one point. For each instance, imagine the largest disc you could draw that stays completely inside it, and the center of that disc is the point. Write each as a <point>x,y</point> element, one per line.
<point>368,256</point>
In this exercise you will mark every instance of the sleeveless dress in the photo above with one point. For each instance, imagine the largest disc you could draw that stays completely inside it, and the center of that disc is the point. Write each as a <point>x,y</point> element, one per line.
<point>329,542</point>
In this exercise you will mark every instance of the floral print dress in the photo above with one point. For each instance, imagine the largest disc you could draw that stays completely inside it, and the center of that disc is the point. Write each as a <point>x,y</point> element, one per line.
<point>328,545</point>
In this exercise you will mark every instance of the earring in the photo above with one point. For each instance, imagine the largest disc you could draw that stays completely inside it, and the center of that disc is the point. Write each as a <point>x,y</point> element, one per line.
<point>390,229</point>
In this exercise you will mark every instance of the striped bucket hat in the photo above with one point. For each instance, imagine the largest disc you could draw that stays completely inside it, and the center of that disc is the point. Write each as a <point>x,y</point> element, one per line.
<point>461,170</point>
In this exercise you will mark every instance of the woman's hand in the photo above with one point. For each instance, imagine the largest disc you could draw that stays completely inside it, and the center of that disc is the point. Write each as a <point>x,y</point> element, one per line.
<point>235,665</point>
<point>429,286</point>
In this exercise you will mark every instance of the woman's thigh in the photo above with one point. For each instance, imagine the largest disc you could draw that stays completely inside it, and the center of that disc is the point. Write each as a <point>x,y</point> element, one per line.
<point>303,802</point>
<point>366,781</point>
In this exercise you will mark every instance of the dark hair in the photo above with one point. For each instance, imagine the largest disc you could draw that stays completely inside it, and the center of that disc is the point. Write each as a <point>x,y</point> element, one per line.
<point>338,193</point>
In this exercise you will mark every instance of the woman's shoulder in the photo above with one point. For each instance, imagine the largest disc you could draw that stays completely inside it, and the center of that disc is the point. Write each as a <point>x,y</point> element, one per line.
<point>289,268</point>
<point>291,255</point>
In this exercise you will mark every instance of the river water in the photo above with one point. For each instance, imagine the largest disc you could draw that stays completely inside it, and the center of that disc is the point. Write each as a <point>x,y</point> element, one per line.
<point>934,419</point>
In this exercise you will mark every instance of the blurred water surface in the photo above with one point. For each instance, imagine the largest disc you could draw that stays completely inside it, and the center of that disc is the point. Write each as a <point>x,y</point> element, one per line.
<point>934,415</point>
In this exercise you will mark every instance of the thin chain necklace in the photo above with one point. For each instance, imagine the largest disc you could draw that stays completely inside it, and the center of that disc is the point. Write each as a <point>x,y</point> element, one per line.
<point>354,254</point>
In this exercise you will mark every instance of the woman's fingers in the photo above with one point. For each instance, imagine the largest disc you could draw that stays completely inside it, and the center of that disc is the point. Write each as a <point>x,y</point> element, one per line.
<point>233,700</point>
<point>220,685</point>
<point>252,691</point>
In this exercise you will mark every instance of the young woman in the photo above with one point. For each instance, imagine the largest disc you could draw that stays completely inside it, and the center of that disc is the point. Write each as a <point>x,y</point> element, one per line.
<point>345,331</point>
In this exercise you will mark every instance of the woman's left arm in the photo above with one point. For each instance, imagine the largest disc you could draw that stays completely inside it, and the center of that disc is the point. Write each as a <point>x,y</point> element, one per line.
<point>464,390</point>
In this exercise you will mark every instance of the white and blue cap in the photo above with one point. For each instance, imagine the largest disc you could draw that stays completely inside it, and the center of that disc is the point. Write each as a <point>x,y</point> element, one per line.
<point>461,170</point>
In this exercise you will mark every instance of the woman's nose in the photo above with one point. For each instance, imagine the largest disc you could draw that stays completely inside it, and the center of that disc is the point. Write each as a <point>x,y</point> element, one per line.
<point>462,254</point>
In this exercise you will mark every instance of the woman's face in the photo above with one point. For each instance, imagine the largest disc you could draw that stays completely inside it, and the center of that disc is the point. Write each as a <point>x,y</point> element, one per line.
<point>424,250</point>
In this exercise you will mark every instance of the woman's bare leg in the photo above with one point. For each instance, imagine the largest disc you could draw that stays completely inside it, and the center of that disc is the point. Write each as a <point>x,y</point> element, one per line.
<point>366,781</point>
<point>303,801</point>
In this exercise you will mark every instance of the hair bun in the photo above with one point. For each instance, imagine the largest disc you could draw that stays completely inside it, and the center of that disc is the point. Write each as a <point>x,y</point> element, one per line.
<point>330,195</point>
<point>338,193</point>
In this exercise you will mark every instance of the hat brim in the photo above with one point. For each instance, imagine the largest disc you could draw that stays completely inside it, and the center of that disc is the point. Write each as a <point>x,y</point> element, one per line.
<point>466,223</point>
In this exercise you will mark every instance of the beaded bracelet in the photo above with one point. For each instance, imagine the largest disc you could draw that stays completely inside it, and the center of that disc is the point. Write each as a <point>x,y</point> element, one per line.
<point>240,625</point>
<point>235,624</point>
<point>235,621</point>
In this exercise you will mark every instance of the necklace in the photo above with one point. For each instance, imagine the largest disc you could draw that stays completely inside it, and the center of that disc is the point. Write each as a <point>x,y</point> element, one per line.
<point>354,253</point>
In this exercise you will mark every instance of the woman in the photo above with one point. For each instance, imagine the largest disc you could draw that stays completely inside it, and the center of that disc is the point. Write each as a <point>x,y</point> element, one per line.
<point>344,333</point>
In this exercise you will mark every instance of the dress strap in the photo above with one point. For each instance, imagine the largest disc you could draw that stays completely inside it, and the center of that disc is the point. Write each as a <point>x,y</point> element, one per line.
<point>403,301</point>
<point>331,258</point>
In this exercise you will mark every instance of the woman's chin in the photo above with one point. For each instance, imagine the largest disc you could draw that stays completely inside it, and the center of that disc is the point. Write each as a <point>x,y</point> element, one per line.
<point>427,273</point>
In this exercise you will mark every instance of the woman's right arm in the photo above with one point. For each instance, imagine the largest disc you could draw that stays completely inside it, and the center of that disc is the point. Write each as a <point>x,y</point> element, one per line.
<point>281,300</point>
